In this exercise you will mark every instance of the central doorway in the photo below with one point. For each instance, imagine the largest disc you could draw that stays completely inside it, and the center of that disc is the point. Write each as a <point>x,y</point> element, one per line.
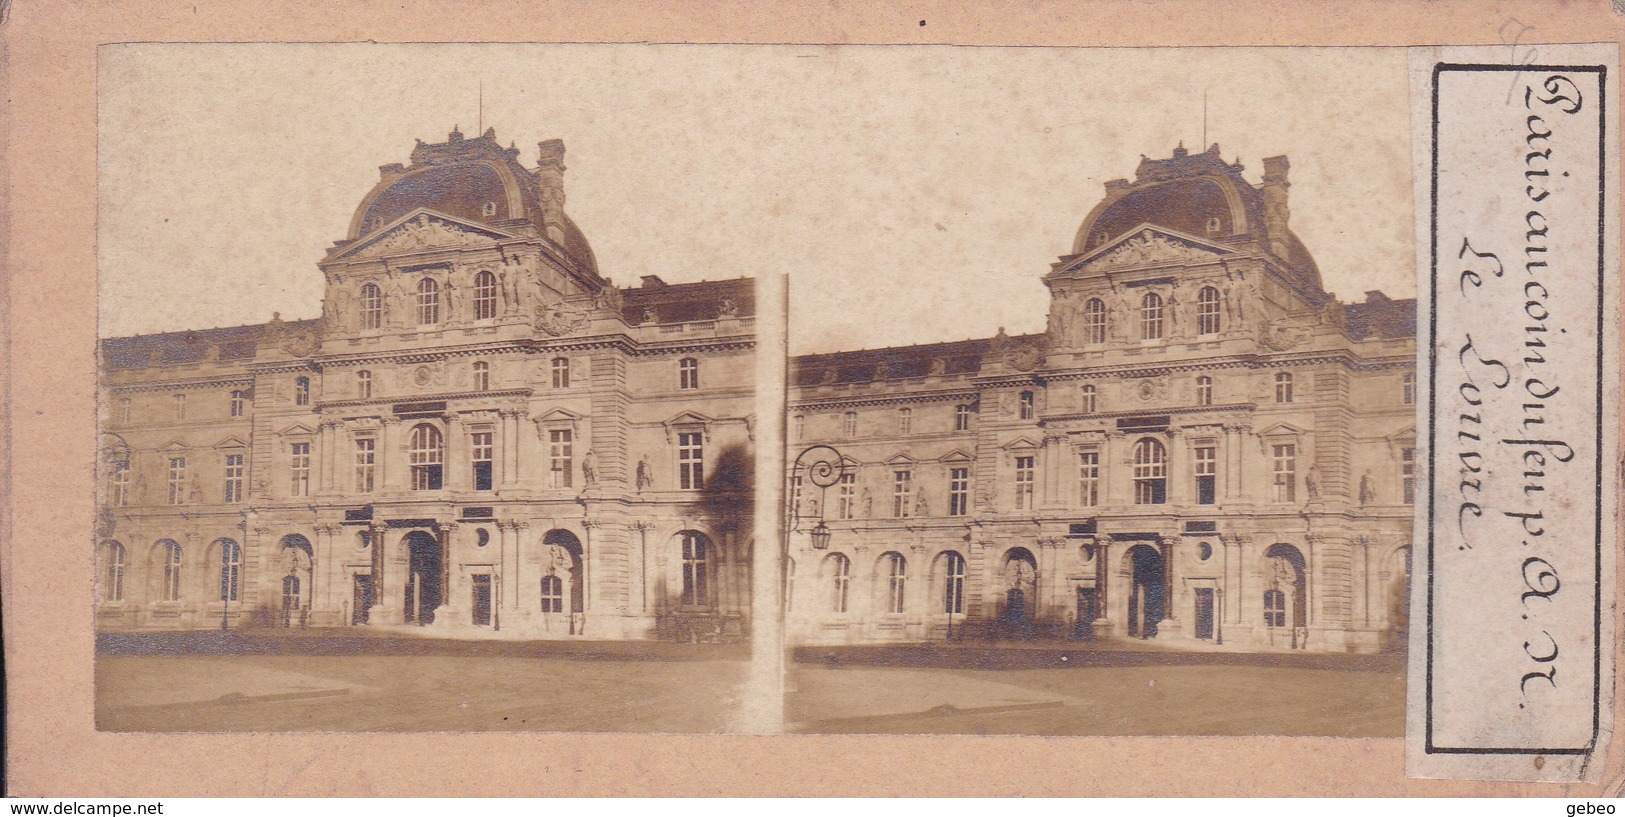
<point>1145,601</point>
<point>422,577</point>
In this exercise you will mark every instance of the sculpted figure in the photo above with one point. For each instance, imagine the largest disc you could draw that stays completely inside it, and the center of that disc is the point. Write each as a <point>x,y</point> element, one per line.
<point>589,469</point>
<point>1368,494</point>
<point>868,502</point>
<point>1312,481</point>
<point>646,477</point>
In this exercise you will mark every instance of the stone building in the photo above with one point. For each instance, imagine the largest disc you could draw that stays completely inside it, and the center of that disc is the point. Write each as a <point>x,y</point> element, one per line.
<point>1204,446</point>
<point>482,434</point>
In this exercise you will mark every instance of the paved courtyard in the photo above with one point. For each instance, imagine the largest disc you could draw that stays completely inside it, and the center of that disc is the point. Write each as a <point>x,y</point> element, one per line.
<point>203,683</point>
<point>1191,699</point>
<point>425,686</point>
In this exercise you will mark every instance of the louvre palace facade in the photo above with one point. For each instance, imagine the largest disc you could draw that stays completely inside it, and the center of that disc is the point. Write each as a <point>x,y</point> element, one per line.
<point>1204,448</point>
<point>480,435</point>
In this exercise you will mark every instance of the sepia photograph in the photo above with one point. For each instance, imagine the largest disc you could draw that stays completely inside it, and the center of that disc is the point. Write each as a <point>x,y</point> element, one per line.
<point>386,444</point>
<point>1119,438</point>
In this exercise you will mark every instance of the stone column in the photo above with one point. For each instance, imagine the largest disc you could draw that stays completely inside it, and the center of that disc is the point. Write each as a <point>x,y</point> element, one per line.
<point>1170,546</point>
<point>321,563</point>
<point>1114,469</point>
<point>377,544</point>
<point>639,572</point>
<point>589,572</point>
<point>1179,477</point>
<point>456,476</point>
<point>392,455</point>
<point>1103,555</point>
<point>443,532</point>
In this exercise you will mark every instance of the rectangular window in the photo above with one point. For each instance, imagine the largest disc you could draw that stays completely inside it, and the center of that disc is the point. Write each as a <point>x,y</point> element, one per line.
<point>239,403</point>
<point>1283,387</point>
<point>299,469</point>
<point>1207,474</point>
<point>481,442</point>
<point>1408,389</point>
<point>798,427</point>
<point>902,494</point>
<point>1028,405</point>
<point>234,478</point>
<point>795,496</point>
<point>905,421</point>
<point>560,457</point>
<point>691,461</point>
<point>121,485</point>
<point>1024,483</point>
<point>177,480</point>
<point>845,496</point>
<point>1089,478</point>
<point>962,414</point>
<point>1285,459</point>
<point>561,373</point>
<point>180,406</point>
<point>688,373</point>
<point>958,491</point>
<point>365,464</point>
<point>124,413</point>
<point>1407,475</point>
<point>849,424</point>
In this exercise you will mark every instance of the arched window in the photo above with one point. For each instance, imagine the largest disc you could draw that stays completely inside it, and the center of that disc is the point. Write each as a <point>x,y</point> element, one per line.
<point>696,561</point>
<point>1094,321</point>
<point>1150,472</point>
<point>953,600</point>
<point>231,566</point>
<point>301,391</point>
<point>363,384</point>
<point>112,572</point>
<point>427,457</point>
<point>239,403</point>
<point>840,570</point>
<point>372,307</point>
<point>1283,387</point>
<point>1088,403</point>
<point>1207,311</point>
<point>896,569</point>
<point>170,554</point>
<point>1274,608</point>
<point>482,376</point>
<point>428,302</point>
<point>688,373</point>
<point>1151,316</point>
<point>1028,405</point>
<point>561,372</point>
<point>485,296</point>
<point>1204,390</point>
<point>552,594</point>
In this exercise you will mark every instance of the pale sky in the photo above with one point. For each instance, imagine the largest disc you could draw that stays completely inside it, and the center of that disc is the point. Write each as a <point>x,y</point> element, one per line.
<point>912,193</point>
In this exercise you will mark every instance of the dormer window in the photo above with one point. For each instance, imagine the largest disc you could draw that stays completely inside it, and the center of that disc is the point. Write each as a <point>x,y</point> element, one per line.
<point>1213,226</point>
<point>490,209</point>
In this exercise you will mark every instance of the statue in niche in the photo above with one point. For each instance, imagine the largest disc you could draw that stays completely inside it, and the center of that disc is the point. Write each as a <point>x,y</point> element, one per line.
<point>1368,493</point>
<point>1312,482</point>
<point>646,476</point>
<point>337,313</point>
<point>868,504</point>
<point>589,469</point>
<point>922,507</point>
<point>401,302</point>
<point>812,508</point>
<point>727,309</point>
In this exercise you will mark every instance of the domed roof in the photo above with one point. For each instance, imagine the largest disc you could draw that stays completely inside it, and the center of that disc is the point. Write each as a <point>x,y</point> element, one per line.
<point>1203,196</point>
<point>477,180</point>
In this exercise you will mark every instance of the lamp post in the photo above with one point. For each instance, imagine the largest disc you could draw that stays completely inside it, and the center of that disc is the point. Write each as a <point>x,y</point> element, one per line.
<point>824,466</point>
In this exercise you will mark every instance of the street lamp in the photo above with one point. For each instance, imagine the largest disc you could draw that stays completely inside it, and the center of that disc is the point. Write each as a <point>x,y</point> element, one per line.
<point>824,467</point>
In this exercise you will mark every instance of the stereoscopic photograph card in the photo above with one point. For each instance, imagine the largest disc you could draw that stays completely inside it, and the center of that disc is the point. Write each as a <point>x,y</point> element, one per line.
<point>633,403</point>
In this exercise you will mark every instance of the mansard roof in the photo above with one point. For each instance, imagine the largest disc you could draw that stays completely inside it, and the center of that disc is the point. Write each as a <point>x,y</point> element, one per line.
<point>683,303</point>
<point>1200,194</point>
<point>461,177</point>
<point>962,357</point>
<point>197,345</point>
<point>1381,316</point>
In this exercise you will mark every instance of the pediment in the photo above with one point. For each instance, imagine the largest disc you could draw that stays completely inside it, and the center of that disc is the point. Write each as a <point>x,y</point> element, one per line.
<point>1019,444</point>
<point>1282,430</point>
<point>174,447</point>
<point>424,229</point>
<point>689,418</point>
<point>231,442</point>
<point>900,459</point>
<point>1149,246</point>
<point>557,415</point>
<point>297,430</point>
<point>956,456</point>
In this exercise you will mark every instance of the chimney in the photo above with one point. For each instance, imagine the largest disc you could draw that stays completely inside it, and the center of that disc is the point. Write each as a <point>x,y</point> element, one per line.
<point>550,177</point>
<point>1276,211</point>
